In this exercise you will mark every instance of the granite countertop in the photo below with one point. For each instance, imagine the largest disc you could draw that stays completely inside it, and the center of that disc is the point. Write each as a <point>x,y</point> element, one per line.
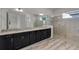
<point>23,30</point>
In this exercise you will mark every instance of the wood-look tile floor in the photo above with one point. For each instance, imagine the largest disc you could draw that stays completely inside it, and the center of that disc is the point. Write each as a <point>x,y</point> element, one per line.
<point>51,44</point>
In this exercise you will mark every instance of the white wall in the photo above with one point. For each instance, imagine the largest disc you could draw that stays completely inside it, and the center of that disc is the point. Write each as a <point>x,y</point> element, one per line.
<point>0,20</point>
<point>59,11</point>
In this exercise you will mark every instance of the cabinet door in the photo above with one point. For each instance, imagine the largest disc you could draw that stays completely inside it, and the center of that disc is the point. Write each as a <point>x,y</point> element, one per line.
<point>38,36</point>
<point>48,33</point>
<point>5,43</point>
<point>41,34</point>
<point>25,38</point>
<point>17,41</point>
<point>10,41</point>
<point>32,37</point>
<point>21,40</point>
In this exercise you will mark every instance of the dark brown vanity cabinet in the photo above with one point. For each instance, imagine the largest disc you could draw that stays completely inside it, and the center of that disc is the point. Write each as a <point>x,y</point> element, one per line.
<point>20,40</point>
<point>6,42</point>
<point>39,35</point>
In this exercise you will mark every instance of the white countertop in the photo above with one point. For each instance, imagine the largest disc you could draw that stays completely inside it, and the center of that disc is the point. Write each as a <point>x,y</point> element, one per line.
<point>24,30</point>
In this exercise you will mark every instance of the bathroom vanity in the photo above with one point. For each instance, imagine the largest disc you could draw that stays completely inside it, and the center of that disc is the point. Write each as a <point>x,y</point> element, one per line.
<point>17,39</point>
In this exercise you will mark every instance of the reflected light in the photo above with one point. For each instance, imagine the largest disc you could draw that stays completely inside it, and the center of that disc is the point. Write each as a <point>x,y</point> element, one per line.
<point>19,9</point>
<point>65,15</point>
<point>41,14</point>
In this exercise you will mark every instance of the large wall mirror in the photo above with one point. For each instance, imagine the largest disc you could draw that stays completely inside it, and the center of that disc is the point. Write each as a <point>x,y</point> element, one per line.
<point>16,20</point>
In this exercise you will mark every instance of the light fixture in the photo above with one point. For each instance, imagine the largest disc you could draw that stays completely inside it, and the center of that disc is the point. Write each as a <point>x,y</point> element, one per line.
<point>19,9</point>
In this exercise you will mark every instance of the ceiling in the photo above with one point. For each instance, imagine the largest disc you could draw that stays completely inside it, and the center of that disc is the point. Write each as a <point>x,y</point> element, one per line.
<point>47,11</point>
<point>58,11</point>
<point>37,11</point>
